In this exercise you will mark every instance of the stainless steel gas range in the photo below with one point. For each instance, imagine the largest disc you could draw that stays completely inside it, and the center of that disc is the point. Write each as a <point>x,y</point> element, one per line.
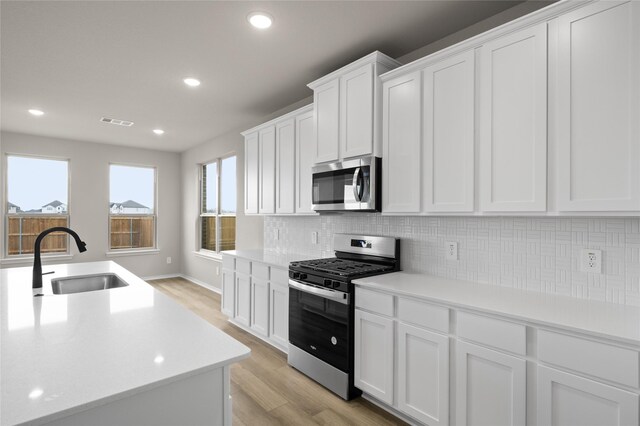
<point>321,307</point>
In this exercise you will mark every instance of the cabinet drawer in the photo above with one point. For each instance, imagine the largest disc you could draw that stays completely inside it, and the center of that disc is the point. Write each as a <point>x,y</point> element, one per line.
<point>423,314</point>
<point>597,359</point>
<point>499,334</point>
<point>279,276</point>
<point>228,262</point>
<point>260,270</point>
<point>375,302</point>
<point>243,266</point>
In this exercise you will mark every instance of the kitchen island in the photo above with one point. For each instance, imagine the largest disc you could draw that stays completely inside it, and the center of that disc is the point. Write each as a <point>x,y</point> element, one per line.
<point>127,355</point>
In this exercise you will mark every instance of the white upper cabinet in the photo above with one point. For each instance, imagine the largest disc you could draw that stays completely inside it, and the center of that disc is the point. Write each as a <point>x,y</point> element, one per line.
<point>513,121</point>
<point>304,161</point>
<point>267,170</point>
<point>285,166</point>
<point>401,144</point>
<point>346,109</point>
<point>598,108</point>
<point>356,112</point>
<point>448,172</point>
<point>251,167</point>
<point>278,159</point>
<point>326,103</point>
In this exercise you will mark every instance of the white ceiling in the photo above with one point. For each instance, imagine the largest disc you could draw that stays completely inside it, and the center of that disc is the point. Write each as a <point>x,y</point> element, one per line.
<point>79,61</point>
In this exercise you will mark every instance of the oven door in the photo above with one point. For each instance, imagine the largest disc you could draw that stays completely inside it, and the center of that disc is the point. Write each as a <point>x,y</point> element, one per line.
<point>346,185</point>
<point>319,323</point>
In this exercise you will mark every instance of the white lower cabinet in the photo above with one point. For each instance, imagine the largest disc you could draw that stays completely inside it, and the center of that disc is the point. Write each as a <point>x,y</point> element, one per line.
<point>242,313</point>
<point>255,296</point>
<point>374,355</point>
<point>279,314</point>
<point>423,374</point>
<point>491,387</point>
<point>260,306</point>
<point>567,399</point>
<point>228,298</point>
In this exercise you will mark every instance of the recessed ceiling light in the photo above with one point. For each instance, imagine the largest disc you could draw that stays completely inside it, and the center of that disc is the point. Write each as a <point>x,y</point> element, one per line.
<point>158,131</point>
<point>260,20</point>
<point>36,112</point>
<point>191,82</point>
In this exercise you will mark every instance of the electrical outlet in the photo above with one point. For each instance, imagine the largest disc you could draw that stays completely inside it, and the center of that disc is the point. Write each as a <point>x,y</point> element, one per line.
<point>591,261</point>
<point>451,250</point>
<point>217,270</point>
<point>276,234</point>
<point>168,260</point>
<point>314,237</point>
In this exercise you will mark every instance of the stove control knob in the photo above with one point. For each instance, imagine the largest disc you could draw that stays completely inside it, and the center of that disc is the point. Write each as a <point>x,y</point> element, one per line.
<point>336,284</point>
<point>296,275</point>
<point>303,276</point>
<point>327,283</point>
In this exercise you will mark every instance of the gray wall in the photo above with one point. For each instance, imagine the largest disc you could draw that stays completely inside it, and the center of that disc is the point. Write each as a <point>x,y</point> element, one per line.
<point>249,230</point>
<point>89,197</point>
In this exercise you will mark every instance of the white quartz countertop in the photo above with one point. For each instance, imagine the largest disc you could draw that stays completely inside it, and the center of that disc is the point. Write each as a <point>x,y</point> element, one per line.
<point>61,354</point>
<point>607,320</point>
<point>278,260</point>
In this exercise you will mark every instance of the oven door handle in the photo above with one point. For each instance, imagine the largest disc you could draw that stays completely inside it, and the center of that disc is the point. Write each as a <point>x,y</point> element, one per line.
<point>336,296</point>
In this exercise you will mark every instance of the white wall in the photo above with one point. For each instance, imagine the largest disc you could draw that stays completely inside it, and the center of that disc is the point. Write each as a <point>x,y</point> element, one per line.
<point>89,197</point>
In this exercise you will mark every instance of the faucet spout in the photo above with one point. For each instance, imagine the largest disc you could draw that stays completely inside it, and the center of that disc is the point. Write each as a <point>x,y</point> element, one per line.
<point>37,262</point>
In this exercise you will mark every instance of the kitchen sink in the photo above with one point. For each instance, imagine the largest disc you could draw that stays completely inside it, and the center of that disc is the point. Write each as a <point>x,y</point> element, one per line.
<point>84,283</point>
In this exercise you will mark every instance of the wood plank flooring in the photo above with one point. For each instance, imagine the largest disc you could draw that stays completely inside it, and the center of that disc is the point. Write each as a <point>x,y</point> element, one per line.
<point>265,389</point>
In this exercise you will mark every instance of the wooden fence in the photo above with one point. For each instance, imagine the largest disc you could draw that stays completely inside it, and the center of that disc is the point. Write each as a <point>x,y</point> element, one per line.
<point>227,233</point>
<point>23,230</point>
<point>132,232</point>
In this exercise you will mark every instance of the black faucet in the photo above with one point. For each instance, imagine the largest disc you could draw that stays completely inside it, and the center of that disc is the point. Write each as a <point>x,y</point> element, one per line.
<point>37,263</point>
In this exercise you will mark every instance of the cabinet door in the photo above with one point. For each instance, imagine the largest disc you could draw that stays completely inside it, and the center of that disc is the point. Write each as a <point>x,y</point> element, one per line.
<point>326,109</point>
<point>374,355</point>
<point>566,399</point>
<point>260,306</point>
<point>285,166</point>
<point>490,387</point>
<point>304,161</point>
<point>423,374</point>
<point>401,161</point>
<point>598,114</point>
<point>279,314</point>
<point>243,299</point>
<point>513,121</point>
<point>356,112</point>
<point>267,172</point>
<point>251,168</point>
<point>449,96</point>
<point>228,292</point>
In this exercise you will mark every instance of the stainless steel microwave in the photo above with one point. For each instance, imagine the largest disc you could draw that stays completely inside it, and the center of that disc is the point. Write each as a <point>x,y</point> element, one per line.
<point>351,185</point>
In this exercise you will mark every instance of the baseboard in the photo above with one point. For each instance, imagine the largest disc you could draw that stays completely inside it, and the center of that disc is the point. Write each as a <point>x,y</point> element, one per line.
<point>201,283</point>
<point>161,277</point>
<point>390,410</point>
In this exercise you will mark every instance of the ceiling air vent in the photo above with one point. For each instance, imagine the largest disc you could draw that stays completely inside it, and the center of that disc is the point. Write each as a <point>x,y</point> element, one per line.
<point>117,122</point>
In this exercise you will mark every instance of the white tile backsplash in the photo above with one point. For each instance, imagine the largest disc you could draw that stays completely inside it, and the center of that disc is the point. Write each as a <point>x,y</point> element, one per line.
<point>537,254</point>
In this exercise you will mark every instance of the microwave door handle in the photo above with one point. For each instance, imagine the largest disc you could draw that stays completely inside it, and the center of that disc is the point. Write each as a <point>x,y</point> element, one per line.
<point>356,189</point>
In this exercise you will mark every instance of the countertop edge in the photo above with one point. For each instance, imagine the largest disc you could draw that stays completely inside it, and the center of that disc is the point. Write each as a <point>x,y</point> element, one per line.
<point>368,284</point>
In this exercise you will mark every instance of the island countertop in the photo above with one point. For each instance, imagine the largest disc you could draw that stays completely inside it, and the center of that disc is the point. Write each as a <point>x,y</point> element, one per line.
<point>62,354</point>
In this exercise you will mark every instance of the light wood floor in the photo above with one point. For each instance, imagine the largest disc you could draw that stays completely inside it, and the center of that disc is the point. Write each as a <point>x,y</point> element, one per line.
<point>265,390</point>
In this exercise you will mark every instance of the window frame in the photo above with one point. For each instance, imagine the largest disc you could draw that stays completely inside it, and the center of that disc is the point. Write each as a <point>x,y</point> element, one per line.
<point>7,215</point>
<point>154,247</point>
<point>218,161</point>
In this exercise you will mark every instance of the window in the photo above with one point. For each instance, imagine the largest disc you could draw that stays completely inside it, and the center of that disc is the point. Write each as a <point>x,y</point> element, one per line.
<point>37,199</point>
<point>132,195</point>
<point>218,205</point>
